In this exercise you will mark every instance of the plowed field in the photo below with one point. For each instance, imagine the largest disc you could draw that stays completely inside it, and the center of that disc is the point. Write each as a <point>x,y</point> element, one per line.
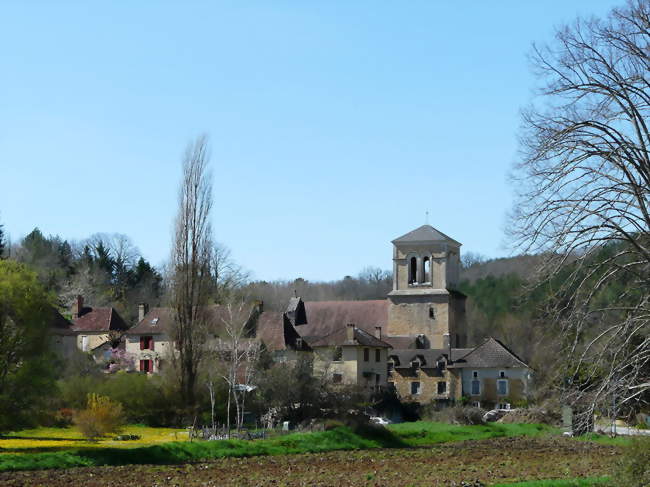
<point>485,462</point>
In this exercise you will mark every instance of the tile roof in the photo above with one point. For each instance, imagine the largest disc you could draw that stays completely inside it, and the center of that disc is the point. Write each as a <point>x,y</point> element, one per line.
<point>99,319</point>
<point>159,320</point>
<point>325,317</point>
<point>490,354</point>
<point>155,321</point>
<point>339,337</point>
<point>425,233</point>
<point>277,332</point>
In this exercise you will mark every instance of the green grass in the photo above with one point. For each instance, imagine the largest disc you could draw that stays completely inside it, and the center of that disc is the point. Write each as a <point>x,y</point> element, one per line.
<point>606,440</point>
<point>423,433</point>
<point>397,436</point>
<point>594,481</point>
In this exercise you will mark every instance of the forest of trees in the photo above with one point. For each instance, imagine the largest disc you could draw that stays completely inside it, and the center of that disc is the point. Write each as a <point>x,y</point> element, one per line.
<point>107,269</point>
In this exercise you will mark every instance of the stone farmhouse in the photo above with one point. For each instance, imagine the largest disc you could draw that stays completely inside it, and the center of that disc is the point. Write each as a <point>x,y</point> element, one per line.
<point>92,330</point>
<point>415,340</point>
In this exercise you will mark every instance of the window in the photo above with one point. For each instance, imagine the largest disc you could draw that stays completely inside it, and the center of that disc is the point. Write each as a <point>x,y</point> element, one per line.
<point>502,387</point>
<point>442,388</point>
<point>338,354</point>
<point>413,270</point>
<point>146,343</point>
<point>416,364</point>
<point>432,312</point>
<point>378,355</point>
<point>366,354</point>
<point>298,343</point>
<point>416,388</point>
<point>84,343</point>
<point>503,405</point>
<point>441,364</point>
<point>476,387</point>
<point>146,366</point>
<point>475,374</point>
<point>502,374</point>
<point>337,378</point>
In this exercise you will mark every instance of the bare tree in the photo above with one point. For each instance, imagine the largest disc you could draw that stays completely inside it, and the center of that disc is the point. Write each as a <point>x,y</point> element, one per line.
<point>191,279</point>
<point>229,276</point>
<point>583,192</point>
<point>240,352</point>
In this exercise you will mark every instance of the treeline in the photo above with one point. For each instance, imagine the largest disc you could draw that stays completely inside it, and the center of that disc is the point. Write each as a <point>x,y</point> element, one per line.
<point>370,283</point>
<point>107,269</point>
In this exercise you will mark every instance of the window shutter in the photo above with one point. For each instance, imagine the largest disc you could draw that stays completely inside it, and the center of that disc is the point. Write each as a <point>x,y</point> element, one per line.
<point>141,365</point>
<point>150,366</point>
<point>141,343</point>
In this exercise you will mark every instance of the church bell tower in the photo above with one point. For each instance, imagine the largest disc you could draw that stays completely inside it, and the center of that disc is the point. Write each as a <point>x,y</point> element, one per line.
<point>424,301</point>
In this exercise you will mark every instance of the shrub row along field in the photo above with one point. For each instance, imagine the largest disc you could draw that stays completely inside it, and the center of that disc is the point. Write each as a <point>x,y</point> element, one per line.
<point>52,455</point>
<point>487,462</point>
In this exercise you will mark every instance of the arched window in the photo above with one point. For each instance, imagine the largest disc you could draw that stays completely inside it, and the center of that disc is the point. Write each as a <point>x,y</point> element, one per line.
<point>413,270</point>
<point>426,264</point>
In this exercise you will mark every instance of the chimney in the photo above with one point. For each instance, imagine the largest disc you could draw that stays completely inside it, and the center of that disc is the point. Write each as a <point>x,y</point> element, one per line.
<point>142,310</point>
<point>378,332</point>
<point>350,332</point>
<point>77,307</point>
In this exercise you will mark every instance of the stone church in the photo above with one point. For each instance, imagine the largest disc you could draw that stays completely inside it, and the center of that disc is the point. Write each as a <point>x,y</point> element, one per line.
<point>414,340</point>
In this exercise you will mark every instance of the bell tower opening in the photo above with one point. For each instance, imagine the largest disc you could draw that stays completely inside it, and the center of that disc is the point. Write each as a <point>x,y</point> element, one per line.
<point>413,270</point>
<point>426,274</point>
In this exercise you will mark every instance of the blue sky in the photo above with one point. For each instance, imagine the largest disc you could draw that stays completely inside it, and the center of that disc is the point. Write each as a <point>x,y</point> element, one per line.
<point>334,125</point>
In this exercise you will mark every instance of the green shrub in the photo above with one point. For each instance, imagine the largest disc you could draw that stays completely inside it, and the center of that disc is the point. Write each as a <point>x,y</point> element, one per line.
<point>634,467</point>
<point>101,417</point>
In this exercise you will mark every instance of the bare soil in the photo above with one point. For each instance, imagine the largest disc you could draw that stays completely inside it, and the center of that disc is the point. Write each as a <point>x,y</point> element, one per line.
<point>473,462</point>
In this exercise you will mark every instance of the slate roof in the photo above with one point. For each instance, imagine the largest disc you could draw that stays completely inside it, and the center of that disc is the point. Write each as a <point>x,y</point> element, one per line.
<point>428,357</point>
<point>99,319</point>
<point>277,332</point>
<point>490,354</point>
<point>340,338</point>
<point>425,233</point>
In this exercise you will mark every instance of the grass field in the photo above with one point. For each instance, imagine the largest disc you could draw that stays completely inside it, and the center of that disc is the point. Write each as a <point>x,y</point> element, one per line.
<point>64,447</point>
<point>404,454</point>
<point>494,461</point>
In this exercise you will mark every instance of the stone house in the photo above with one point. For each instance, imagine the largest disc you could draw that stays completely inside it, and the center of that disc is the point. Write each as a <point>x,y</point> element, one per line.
<point>492,375</point>
<point>91,329</point>
<point>352,356</point>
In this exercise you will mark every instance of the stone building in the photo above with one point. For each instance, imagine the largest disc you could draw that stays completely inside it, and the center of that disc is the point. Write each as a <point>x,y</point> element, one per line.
<point>423,322</point>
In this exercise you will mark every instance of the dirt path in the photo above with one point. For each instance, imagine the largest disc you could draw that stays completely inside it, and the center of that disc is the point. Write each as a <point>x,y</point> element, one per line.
<point>488,461</point>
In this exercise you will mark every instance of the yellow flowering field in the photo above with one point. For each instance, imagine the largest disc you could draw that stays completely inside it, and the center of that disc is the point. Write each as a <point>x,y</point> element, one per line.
<point>56,439</point>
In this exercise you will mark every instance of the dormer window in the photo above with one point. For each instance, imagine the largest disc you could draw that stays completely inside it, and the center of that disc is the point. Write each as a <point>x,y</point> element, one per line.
<point>416,363</point>
<point>154,321</point>
<point>441,364</point>
<point>298,343</point>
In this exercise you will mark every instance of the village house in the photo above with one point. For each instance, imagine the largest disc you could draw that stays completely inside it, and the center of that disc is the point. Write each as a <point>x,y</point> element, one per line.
<point>94,330</point>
